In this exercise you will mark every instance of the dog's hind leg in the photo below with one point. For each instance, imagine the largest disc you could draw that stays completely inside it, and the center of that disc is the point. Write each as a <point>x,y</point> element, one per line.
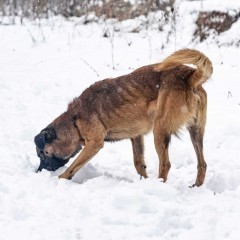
<point>161,141</point>
<point>196,131</point>
<point>138,155</point>
<point>197,140</point>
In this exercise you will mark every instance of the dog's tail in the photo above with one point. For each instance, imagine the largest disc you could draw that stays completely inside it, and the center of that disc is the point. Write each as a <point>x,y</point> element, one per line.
<point>190,58</point>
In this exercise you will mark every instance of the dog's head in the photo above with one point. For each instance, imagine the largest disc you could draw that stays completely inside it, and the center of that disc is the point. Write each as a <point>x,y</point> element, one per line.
<point>58,142</point>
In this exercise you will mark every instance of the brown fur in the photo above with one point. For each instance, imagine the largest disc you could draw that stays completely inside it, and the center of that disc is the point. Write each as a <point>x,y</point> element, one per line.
<point>160,97</point>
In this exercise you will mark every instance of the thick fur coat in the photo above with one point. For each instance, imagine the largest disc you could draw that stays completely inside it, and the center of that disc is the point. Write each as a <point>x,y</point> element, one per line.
<point>160,98</point>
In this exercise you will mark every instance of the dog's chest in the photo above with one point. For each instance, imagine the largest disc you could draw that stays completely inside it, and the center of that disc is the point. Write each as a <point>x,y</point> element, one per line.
<point>131,129</point>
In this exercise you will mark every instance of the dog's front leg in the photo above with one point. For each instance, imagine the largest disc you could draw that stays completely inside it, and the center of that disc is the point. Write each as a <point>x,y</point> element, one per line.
<point>91,148</point>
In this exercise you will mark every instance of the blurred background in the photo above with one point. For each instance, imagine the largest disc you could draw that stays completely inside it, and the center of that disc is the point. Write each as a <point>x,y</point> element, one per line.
<point>209,21</point>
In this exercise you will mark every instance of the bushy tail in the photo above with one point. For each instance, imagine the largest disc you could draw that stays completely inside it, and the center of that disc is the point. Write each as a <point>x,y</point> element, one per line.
<point>191,58</point>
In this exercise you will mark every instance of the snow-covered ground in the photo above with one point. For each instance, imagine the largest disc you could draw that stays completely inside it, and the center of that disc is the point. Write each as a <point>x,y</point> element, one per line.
<point>106,199</point>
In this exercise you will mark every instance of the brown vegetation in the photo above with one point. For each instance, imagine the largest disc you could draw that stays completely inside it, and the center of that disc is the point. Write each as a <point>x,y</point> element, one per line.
<point>214,21</point>
<point>118,9</point>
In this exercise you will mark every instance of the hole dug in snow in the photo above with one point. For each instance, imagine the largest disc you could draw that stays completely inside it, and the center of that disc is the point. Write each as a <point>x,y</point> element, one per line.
<point>221,182</point>
<point>86,173</point>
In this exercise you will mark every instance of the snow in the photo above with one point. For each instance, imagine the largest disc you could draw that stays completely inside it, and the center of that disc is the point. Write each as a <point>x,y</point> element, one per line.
<point>106,199</point>
<point>191,65</point>
<point>209,5</point>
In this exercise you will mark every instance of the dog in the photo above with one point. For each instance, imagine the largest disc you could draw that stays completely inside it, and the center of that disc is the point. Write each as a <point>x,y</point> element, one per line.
<point>160,97</point>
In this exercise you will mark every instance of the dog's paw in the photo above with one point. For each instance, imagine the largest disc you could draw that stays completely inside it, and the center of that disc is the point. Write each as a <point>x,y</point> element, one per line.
<point>65,176</point>
<point>162,180</point>
<point>195,185</point>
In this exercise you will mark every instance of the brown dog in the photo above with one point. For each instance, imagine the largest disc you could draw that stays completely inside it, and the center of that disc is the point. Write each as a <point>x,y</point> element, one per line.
<point>160,97</point>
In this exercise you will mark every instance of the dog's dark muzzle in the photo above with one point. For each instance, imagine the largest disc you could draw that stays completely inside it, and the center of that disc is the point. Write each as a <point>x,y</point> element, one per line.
<point>49,163</point>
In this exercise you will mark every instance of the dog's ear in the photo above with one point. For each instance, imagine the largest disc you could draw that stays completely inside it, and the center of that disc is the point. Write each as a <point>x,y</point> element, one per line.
<point>49,134</point>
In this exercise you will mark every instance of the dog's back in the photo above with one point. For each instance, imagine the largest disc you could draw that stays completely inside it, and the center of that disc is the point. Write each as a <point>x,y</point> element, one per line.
<point>124,105</point>
<point>127,105</point>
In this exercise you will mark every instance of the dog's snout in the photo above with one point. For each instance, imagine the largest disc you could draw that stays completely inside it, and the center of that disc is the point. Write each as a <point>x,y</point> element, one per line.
<point>39,141</point>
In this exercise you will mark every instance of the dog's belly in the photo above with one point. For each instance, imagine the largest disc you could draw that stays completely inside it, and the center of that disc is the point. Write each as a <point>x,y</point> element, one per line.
<point>137,121</point>
<point>132,131</point>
